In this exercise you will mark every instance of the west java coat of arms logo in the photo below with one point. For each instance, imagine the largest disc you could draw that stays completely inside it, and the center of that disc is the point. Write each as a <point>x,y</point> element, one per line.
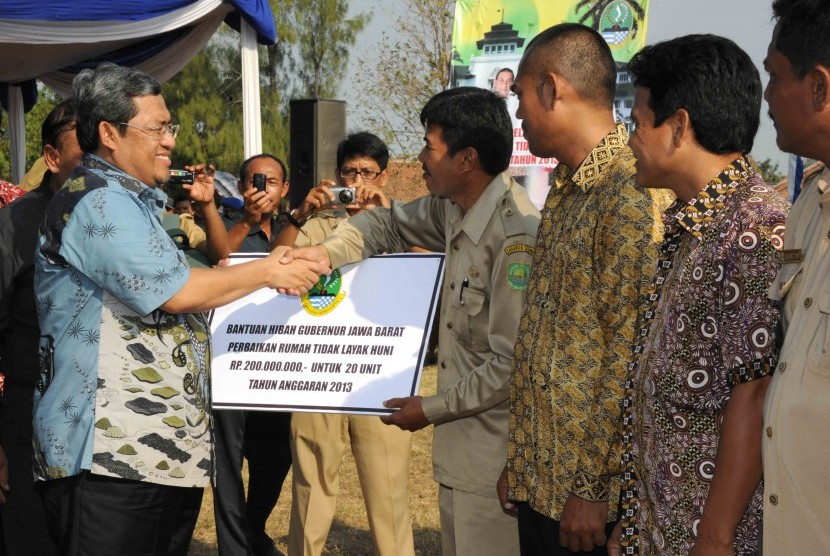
<point>616,24</point>
<point>325,295</point>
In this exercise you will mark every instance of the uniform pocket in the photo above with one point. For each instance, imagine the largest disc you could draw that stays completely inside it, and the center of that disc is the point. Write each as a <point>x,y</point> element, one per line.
<point>471,319</point>
<point>818,358</point>
<point>788,277</point>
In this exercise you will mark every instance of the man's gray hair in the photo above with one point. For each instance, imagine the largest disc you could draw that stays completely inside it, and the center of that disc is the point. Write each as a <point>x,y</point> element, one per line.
<point>106,94</point>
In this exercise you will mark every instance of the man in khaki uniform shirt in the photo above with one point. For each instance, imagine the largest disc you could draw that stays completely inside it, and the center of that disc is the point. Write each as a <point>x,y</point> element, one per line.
<point>486,224</point>
<point>796,438</point>
<point>318,440</point>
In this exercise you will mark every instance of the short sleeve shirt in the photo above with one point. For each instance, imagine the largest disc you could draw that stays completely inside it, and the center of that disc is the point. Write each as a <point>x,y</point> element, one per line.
<point>124,385</point>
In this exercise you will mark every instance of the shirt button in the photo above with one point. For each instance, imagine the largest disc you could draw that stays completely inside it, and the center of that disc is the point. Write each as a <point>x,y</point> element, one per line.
<point>449,325</point>
<point>769,432</point>
<point>443,364</point>
<point>508,212</point>
<point>773,499</point>
<point>452,286</point>
<point>782,367</point>
<point>808,302</point>
<point>455,247</point>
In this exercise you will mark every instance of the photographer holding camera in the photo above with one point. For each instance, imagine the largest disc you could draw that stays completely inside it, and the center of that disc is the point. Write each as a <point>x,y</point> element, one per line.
<point>263,182</point>
<point>261,437</point>
<point>361,175</point>
<point>319,440</point>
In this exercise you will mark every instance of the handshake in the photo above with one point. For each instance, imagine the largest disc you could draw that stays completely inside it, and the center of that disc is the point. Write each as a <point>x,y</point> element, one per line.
<point>296,271</point>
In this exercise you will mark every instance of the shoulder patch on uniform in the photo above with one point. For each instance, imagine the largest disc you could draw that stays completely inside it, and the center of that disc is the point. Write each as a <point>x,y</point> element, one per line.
<point>518,248</point>
<point>518,275</point>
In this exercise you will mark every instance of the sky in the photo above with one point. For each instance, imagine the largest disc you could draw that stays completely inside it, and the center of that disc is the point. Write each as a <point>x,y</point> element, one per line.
<point>747,22</point>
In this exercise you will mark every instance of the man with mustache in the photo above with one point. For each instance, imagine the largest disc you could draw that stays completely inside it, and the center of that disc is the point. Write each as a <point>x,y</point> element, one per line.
<point>485,223</point>
<point>796,435</point>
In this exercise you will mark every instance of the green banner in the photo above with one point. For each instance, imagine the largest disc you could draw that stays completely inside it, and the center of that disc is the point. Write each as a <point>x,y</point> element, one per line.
<point>496,32</point>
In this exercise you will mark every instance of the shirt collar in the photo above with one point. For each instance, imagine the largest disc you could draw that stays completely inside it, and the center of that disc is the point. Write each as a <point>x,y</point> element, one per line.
<point>153,196</point>
<point>823,181</point>
<point>591,169</point>
<point>696,215</point>
<point>476,219</point>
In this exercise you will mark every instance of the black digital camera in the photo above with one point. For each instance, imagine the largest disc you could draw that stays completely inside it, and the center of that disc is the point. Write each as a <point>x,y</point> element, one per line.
<point>180,177</point>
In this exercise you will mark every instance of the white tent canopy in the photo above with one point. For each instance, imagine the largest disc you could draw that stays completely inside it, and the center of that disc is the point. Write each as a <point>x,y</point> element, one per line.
<point>52,40</point>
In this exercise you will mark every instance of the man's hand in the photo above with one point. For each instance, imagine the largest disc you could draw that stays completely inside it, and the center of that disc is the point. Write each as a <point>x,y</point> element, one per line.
<point>315,254</point>
<point>614,543</point>
<point>318,198</point>
<point>4,476</point>
<point>368,197</point>
<point>582,526</point>
<point>296,276</point>
<point>202,189</point>
<point>256,204</point>
<point>501,488</point>
<point>410,415</point>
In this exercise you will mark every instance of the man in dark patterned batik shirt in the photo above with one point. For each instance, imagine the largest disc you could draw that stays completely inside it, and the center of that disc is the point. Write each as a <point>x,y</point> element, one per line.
<point>706,348</point>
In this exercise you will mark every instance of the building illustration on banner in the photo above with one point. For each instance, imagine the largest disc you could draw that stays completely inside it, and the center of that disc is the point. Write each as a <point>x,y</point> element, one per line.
<point>481,54</point>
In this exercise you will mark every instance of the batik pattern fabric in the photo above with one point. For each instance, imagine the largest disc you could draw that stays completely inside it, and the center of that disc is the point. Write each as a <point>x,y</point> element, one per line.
<point>124,386</point>
<point>9,192</point>
<point>597,241</point>
<point>707,326</point>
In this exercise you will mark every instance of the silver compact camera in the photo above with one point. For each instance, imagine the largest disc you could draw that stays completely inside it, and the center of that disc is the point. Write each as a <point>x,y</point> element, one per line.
<point>342,195</point>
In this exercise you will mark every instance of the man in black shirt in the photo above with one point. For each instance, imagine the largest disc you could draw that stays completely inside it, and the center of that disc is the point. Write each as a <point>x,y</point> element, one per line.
<point>24,523</point>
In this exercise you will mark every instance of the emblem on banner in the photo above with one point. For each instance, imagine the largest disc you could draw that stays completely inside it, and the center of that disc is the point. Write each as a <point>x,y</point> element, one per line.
<point>325,295</point>
<point>616,24</point>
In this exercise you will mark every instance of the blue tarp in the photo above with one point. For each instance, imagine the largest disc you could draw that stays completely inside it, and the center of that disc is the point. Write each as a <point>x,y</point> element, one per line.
<point>256,12</point>
<point>43,49</point>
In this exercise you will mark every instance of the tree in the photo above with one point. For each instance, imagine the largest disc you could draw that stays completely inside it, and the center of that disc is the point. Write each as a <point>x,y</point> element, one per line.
<point>323,36</point>
<point>414,66</point>
<point>205,99</point>
<point>768,170</point>
<point>206,96</point>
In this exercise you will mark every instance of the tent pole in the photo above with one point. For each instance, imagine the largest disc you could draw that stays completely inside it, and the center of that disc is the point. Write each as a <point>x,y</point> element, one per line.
<point>252,123</point>
<point>17,133</point>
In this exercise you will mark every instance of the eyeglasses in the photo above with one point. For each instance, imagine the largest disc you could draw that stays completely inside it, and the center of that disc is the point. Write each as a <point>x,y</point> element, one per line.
<point>157,133</point>
<point>351,174</point>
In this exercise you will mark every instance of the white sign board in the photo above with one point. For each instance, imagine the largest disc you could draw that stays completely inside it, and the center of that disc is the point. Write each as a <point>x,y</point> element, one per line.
<point>352,342</point>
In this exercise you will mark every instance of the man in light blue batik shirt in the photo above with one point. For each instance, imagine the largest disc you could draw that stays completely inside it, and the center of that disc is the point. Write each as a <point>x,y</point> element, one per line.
<point>122,424</point>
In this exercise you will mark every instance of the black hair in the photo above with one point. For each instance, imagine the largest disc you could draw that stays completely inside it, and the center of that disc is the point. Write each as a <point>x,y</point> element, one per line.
<point>106,94</point>
<point>712,79</point>
<point>803,30</point>
<point>579,54</point>
<point>365,144</point>
<point>243,170</point>
<point>473,117</point>
<point>60,120</point>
